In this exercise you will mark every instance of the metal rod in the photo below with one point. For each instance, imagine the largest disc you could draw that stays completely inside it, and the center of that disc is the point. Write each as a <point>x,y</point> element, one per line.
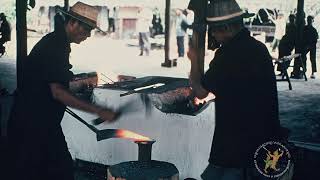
<point>107,133</point>
<point>103,80</point>
<point>137,90</point>
<point>107,77</point>
<point>81,120</point>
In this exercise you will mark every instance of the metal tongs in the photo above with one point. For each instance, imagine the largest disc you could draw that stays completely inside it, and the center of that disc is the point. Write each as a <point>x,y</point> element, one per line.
<point>101,134</point>
<point>94,129</point>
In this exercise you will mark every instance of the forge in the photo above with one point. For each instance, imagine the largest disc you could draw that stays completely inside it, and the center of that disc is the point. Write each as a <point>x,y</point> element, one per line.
<point>167,94</point>
<point>145,167</point>
<point>171,121</point>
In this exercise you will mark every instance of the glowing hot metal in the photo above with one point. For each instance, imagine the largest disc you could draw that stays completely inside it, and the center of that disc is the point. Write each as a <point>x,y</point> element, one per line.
<point>111,133</point>
<point>198,101</point>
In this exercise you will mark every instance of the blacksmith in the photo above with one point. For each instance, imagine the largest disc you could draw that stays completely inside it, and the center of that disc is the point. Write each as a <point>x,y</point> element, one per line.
<point>38,146</point>
<point>242,78</point>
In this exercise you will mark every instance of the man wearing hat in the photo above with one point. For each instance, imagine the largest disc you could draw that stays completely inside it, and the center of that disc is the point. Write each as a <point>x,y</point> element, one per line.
<point>38,146</point>
<point>246,106</point>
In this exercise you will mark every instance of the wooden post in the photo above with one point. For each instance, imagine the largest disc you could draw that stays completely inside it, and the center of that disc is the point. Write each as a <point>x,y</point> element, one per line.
<point>199,29</point>
<point>167,62</point>
<point>167,29</point>
<point>66,5</point>
<point>21,29</point>
<point>300,22</point>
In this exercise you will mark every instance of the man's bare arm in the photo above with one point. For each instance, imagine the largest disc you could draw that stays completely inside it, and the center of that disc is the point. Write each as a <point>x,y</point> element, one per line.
<point>195,76</point>
<point>63,95</point>
<point>80,83</point>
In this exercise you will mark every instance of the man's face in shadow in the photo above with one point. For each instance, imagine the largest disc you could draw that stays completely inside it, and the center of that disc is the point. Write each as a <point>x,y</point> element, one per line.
<point>79,31</point>
<point>221,33</point>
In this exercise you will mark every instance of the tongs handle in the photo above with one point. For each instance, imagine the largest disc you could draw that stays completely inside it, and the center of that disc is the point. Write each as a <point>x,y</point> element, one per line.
<point>81,120</point>
<point>128,93</point>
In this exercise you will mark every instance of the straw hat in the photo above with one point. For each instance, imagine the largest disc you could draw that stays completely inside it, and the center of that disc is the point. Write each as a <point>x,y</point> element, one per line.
<point>84,13</point>
<point>221,12</point>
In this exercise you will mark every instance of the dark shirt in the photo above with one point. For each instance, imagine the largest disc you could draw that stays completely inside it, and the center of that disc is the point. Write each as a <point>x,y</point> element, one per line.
<point>48,62</point>
<point>290,35</point>
<point>291,30</point>
<point>287,42</point>
<point>36,139</point>
<point>310,35</point>
<point>242,78</point>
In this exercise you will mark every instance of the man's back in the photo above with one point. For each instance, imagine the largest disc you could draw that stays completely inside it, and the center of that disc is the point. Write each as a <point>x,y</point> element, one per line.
<point>242,78</point>
<point>310,35</point>
<point>48,62</point>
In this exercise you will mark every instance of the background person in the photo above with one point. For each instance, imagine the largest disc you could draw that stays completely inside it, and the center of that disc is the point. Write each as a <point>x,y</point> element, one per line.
<point>287,43</point>
<point>112,15</point>
<point>181,28</point>
<point>310,39</point>
<point>5,32</point>
<point>156,23</point>
<point>143,27</point>
<point>190,19</point>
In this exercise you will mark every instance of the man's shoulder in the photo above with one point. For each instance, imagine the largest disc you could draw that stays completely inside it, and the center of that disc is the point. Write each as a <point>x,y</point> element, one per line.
<point>49,40</point>
<point>259,44</point>
<point>49,37</point>
<point>46,45</point>
<point>254,45</point>
<point>255,50</point>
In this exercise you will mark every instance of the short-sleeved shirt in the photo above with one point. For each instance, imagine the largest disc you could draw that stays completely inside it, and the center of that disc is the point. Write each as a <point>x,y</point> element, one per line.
<point>48,62</point>
<point>242,78</point>
<point>35,136</point>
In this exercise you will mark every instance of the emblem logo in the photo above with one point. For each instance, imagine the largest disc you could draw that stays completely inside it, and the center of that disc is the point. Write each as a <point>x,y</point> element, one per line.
<point>272,159</point>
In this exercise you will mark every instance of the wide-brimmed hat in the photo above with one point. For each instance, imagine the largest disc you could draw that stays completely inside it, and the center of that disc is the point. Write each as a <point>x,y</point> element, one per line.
<point>84,13</point>
<point>221,12</point>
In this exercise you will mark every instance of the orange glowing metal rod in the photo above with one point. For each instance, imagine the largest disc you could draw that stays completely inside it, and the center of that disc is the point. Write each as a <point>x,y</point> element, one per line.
<point>111,133</point>
<point>131,135</point>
